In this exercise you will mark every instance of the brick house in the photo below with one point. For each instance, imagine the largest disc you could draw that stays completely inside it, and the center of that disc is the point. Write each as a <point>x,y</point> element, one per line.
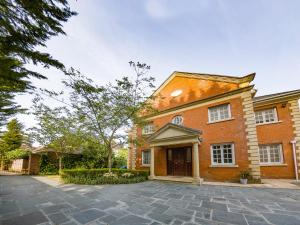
<point>212,127</point>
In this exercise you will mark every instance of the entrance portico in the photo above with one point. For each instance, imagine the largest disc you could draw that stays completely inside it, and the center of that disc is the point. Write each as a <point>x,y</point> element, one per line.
<point>181,146</point>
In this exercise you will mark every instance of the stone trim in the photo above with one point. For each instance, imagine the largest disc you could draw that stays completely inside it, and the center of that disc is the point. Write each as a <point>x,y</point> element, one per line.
<point>252,142</point>
<point>295,112</point>
<point>134,149</point>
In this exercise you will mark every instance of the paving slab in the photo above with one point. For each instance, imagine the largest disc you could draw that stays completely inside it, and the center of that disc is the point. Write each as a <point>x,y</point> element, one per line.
<point>25,200</point>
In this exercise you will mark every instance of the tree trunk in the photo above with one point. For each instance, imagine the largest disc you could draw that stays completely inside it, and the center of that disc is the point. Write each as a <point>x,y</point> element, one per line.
<point>109,159</point>
<point>60,164</point>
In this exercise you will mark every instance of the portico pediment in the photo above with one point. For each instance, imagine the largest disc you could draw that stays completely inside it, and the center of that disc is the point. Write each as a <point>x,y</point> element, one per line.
<point>174,134</point>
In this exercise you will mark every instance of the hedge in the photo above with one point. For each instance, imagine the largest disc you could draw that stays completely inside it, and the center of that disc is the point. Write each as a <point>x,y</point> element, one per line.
<point>95,176</point>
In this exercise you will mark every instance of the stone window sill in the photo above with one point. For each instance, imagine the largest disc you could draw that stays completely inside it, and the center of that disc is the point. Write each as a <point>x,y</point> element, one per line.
<point>219,121</point>
<point>279,164</point>
<point>146,165</point>
<point>261,124</point>
<point>224,166</point>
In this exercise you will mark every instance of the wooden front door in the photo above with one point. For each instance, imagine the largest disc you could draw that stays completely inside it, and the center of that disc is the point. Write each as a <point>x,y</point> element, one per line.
<point>179,162</point>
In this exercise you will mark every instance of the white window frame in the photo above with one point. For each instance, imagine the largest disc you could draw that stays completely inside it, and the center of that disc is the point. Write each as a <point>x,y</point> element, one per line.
<point>148,129</point>
<point>177,117</point>
<point>222,155</point>
<point>269,157</point>
<point>146,150</point>
<point>264,116</point>
<point>219,113</point>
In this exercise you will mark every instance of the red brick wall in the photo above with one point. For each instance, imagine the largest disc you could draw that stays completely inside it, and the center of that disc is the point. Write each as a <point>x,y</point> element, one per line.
<point>34,164</point>
<point>221,132</point>
<point>278,133</point>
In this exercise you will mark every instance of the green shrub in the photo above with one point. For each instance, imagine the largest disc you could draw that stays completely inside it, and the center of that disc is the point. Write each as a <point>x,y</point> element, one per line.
<point>17,154</point>
<point>95,176</point>
<point>48,166</point>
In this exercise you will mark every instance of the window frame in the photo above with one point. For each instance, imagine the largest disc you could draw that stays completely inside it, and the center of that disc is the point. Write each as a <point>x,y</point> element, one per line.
<point>263,111</point>
<point>222,154</point>
<point>268,154</point>
<point>177,116</point>
<point>149,132</point>
<point>219,114</point>
<point>149,152</point>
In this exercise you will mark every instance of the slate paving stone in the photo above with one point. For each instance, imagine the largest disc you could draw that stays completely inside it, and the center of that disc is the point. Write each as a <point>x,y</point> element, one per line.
<point>139,209</point>
<point>179,214</point>
<point>88,215</point>
<point>116,212</point>
<point>161,217</point>
<point>227,217</point>
<point>131,220</point>
<point>58,218</point>
<point>214,205</point>
<point>204,213</point>
<point>56,208</point>
<point>208,222</point>
<point>8,207</point>
<point>175,196</point>
<point>105,204</point>
<point>177,203</point>
<point>159,208</point>
<point>280,219</point>
<point>177,222</point>
<point>70,223</point>
<point>108,219</point>
<point>148,203</point>
<point>28,219</point>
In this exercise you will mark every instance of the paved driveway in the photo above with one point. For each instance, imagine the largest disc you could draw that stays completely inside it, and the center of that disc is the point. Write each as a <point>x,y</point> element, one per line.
<point>26,201</point>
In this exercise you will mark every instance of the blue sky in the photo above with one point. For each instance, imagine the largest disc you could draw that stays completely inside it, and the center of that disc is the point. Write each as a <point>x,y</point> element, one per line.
<point>230,37</point>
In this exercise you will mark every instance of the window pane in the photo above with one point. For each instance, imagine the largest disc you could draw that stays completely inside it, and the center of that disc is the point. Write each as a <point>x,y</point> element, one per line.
<point>259,117</point>
<point>263,153</point>
<point>217,154</point>
<point>219,113</point>
<point>148,129</point>
<point>227,153</point>
<point>270,153</point>
<point>177,120</point>
<point>269,115</point>
<point>265,116</point>
<point>274,153</point>
<point>146,157</point>
<point>214,114</point>
<point>224,114</point>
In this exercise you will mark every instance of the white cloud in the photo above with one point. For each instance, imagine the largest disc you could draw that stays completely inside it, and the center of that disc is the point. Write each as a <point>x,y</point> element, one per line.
<point>158,9</point>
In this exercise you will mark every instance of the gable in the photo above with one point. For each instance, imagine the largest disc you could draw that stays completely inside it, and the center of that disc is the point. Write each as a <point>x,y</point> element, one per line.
<point>172,131</point>
<point>180,89</point>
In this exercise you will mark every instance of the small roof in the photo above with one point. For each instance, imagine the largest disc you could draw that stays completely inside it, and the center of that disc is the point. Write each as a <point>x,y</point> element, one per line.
<point>282,96</point>
<point>188,131</point>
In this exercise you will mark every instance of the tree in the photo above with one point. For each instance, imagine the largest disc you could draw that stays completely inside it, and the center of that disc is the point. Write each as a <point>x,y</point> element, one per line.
<point>56,129</point>
<point>108,110</point>
<point>25,25</point>
<point>11,139</point>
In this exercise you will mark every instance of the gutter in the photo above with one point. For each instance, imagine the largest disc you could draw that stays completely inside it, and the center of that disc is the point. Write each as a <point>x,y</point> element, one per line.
<point>295,158</point>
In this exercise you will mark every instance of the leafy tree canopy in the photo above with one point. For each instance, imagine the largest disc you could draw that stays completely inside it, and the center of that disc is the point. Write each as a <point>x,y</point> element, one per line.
<point>13,137</point>
<point>25,25</point>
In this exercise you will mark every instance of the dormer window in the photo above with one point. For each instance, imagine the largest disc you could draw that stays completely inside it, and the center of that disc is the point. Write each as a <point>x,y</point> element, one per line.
<point>148,129</point>
<point>177,120</point>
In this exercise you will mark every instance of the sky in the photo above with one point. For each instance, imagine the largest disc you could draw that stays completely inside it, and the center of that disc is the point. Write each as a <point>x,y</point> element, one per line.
<point>229,37</point>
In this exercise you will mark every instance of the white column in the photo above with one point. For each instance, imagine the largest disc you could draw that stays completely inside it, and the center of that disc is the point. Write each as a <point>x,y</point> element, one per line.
<point>196,168</point>
<point>152,175</point>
